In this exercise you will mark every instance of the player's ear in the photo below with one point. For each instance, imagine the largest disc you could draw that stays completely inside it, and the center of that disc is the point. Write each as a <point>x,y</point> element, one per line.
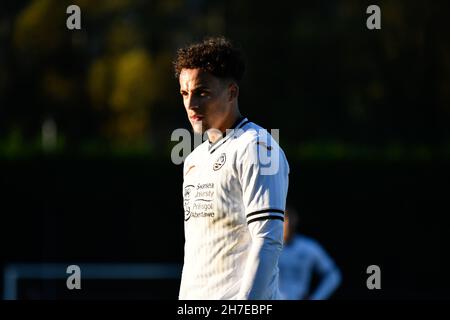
<point>233,91</point>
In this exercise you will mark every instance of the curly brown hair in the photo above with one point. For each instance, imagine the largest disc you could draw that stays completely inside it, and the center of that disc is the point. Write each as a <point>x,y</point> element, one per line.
<point>215,55</point>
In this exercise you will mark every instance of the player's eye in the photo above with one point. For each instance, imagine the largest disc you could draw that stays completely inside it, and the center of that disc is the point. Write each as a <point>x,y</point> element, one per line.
<point>203,93</point>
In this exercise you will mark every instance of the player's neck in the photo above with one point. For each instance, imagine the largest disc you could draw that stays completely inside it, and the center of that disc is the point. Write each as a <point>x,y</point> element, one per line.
<point>216,135</point>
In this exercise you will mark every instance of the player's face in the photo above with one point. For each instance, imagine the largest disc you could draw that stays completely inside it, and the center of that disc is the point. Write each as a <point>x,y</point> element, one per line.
<point>206,98</point>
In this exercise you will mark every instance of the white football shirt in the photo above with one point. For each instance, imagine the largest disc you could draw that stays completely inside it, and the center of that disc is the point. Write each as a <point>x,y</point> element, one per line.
<point>234,194</point>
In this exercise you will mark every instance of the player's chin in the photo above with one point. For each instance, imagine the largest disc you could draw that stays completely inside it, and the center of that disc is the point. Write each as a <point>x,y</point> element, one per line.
<point>197,127</point>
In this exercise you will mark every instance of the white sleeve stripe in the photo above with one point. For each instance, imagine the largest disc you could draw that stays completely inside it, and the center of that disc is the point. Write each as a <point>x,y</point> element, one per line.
<point>265,210</point>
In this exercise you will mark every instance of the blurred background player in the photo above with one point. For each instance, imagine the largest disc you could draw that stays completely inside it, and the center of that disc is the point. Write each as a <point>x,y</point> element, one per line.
<point>301,259</point>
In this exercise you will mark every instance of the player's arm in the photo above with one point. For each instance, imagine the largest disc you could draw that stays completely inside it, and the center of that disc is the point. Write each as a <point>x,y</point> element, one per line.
<point>329,274</point>
<point>264,193</point>
<point>267,242</point>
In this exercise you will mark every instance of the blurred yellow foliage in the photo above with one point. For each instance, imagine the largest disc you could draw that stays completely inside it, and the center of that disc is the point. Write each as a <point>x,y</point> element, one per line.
<point>126,85</point>
<point>101,7</point>
<point>57,87</point>
<point>40,27</point>
<point>99,82</point>
<point>133,82</point>
<point>169,6</point>
<point>123,36</point>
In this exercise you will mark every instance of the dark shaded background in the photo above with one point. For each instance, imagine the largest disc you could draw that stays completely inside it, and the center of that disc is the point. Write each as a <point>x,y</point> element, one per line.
<point>86,118</point>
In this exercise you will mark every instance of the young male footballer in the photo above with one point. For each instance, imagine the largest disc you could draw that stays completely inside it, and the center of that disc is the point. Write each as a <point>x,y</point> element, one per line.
<point>235,183</point>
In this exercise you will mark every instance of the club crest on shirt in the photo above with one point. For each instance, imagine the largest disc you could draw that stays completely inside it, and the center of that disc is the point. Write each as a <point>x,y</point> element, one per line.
<point>188,191</point>
<point>219,162</point>
<point>187,213</point>
<point>187,197</point>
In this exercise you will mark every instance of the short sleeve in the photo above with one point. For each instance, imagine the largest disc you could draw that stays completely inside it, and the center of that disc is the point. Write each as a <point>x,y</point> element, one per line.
<point>264,177</point>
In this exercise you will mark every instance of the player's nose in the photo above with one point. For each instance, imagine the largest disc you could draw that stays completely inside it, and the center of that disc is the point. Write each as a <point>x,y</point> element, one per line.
<point>191,103</point>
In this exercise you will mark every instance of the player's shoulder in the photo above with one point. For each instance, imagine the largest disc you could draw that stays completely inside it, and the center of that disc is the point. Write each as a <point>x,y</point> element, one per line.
<point>253,139</point>
<point>308,242</point>
<point>249,131</point>
<point>252,133</point>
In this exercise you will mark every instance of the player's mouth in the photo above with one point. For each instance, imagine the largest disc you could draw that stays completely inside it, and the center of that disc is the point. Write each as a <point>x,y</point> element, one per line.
<point>196,117</point>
